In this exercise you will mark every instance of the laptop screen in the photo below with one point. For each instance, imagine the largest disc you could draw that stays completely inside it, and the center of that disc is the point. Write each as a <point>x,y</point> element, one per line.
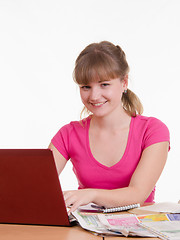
<point>30,191</point>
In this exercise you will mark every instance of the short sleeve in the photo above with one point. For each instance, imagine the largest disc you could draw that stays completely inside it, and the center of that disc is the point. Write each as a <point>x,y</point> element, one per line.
<point>156,131</point>
<point>61,141</point>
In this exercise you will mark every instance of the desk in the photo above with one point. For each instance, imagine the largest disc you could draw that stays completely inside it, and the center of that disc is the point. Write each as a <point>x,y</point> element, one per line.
<point>29,232</point>
<point>35,232</point>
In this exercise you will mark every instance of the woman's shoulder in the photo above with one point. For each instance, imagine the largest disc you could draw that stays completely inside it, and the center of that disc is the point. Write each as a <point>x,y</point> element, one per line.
<point>150,125</point>
<point>71,129</point>
<point>81,124</point>
<point>148,121</point>
<point>151,129</point>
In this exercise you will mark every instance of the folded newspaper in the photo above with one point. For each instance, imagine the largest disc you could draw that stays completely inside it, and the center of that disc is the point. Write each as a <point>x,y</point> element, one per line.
<point>164,226</point>
<point>111,224</point>
<point>166,230</point>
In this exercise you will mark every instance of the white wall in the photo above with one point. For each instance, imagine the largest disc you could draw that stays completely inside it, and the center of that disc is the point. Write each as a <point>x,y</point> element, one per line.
<point>39,42</point>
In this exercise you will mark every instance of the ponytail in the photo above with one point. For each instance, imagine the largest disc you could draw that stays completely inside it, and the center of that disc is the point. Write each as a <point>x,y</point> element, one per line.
<point>131,103</point>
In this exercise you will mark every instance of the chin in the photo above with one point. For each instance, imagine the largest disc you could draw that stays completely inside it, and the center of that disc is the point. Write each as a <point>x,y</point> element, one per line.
<point>100,115</point>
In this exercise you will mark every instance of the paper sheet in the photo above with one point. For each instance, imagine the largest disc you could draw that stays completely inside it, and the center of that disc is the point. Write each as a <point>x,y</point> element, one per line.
<point>167,207</point>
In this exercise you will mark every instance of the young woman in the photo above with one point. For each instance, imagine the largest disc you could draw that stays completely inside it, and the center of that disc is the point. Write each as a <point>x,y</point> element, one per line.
<point>117,154</point>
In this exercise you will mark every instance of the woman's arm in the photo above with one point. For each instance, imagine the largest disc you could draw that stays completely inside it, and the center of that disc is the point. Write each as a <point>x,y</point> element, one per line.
<point>147,173</point>
<point>58,158</point>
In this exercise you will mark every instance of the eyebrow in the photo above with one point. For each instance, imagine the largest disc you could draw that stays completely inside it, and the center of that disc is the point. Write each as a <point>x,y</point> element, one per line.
<point>100,81</point>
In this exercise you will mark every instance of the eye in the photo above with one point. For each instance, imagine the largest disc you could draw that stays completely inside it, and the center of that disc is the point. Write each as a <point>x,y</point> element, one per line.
<point>85,87</point>
<point>105,84</point>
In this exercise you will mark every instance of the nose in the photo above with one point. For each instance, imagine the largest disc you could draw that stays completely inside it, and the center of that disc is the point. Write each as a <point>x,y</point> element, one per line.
<point>95,94</point>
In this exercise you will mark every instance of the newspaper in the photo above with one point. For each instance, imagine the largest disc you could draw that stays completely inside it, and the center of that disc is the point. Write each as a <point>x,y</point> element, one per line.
<point>111,224</point>
<point>91,222</point>
<point>169,230</point>
<point>165,226</point>
<point>126,223</point>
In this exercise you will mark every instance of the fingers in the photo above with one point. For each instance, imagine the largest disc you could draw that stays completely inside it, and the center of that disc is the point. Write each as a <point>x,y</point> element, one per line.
<point>74,207</point>
<point>67,195</point>
<point>69,198</point>
<point>74,199</point>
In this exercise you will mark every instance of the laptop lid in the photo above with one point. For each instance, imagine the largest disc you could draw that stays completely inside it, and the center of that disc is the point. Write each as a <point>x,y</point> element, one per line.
<point>30,191</point>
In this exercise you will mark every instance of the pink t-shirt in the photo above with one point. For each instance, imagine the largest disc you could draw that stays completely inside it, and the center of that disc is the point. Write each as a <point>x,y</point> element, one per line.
<point>72,141</point>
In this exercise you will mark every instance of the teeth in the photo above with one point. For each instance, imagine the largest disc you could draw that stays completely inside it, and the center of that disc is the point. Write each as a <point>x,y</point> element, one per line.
<point>97,104</point>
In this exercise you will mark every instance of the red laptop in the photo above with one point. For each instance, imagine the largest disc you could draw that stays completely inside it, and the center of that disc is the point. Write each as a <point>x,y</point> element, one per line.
<point>30,191</point>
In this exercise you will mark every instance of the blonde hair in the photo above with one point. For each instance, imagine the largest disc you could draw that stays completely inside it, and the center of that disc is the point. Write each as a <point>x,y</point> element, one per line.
<point>105,61</point>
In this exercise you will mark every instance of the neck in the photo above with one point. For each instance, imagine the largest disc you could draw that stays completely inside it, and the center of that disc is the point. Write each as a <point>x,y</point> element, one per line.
<point>116,121</point>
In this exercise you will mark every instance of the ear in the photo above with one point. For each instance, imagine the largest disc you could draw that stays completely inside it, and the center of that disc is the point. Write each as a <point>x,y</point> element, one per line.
<point>125,82</point>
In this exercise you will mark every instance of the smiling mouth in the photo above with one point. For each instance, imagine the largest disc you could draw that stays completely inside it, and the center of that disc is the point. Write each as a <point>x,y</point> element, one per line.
<point>98,104</point>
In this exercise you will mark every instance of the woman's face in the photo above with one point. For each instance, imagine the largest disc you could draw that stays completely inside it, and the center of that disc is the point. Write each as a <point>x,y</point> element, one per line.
<point>103,97</point>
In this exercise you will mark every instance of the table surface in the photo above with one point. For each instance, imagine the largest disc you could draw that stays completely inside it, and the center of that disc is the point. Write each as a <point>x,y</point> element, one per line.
<point>32,232</point>
<point>35,232</point>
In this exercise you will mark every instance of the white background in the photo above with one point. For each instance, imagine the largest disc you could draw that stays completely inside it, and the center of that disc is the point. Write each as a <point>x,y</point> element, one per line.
<point>39,42</point>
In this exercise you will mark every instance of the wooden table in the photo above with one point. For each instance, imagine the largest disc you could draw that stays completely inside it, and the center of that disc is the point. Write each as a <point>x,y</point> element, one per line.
<point>31,232</point>
<point>35,232</point>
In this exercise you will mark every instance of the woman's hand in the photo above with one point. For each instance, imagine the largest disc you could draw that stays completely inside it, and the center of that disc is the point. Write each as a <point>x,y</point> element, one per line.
<point>76,198</point>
